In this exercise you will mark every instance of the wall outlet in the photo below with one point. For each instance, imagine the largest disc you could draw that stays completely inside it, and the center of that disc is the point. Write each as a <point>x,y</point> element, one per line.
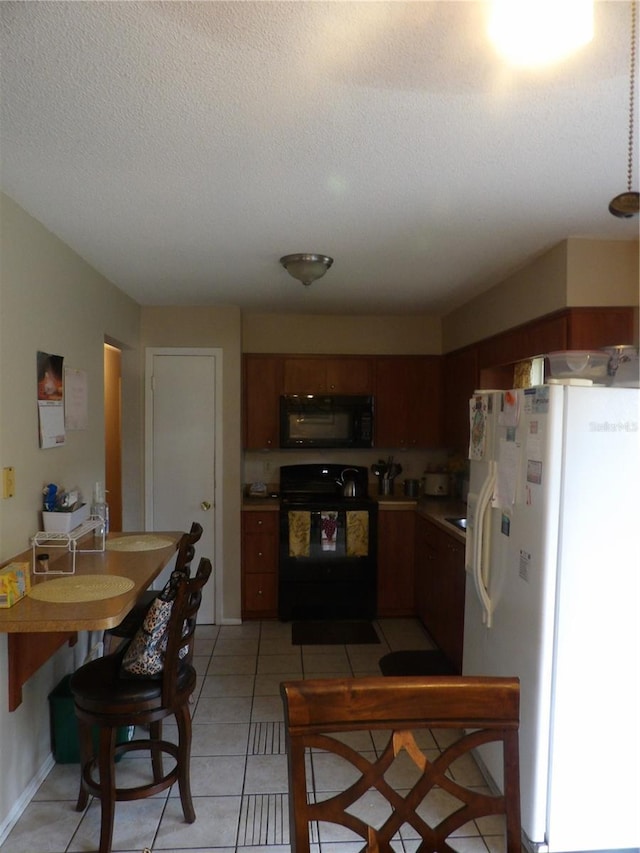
<point>267,469</point>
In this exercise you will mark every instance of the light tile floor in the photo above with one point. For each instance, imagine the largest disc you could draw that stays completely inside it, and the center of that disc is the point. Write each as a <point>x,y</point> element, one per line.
<point>238,771</point>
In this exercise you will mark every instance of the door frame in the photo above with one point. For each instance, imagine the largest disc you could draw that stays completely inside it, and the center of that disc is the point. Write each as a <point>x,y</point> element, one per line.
<point>216,353</point>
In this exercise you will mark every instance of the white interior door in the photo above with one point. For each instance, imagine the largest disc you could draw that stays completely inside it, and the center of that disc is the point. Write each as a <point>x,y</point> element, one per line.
<point>182,437</point>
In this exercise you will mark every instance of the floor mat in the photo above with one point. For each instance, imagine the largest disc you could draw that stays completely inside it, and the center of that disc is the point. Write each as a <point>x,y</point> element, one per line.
<point>332,633</point>
<point>423,662</point>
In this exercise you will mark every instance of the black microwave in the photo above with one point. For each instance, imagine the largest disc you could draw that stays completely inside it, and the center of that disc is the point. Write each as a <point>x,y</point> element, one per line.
<point>316,420</point>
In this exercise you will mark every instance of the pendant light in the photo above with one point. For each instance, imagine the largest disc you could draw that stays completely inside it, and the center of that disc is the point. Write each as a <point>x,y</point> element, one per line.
<point>307,268</point>
<point>627,204</point>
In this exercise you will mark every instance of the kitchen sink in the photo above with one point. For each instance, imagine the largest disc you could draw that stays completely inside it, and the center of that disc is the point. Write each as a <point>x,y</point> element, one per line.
<point>460,523</point>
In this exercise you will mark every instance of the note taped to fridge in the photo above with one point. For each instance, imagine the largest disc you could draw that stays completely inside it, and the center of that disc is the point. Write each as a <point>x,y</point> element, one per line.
<point>534,471</point>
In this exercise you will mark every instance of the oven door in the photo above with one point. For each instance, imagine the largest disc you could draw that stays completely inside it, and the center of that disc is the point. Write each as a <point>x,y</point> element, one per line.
<point>328,562</point>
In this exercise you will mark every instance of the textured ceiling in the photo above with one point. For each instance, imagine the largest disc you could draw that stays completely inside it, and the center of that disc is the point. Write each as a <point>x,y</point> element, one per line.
<point>181,148</point>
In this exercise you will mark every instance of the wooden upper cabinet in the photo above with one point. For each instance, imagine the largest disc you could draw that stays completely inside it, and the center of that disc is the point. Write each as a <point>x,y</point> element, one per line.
<point>327,374</point>
<point>593,328</point>
<point>262,386</point>
<point>408,406</point>
<point>460,381</point>
<point>546,335</point>
<point>571,328</point>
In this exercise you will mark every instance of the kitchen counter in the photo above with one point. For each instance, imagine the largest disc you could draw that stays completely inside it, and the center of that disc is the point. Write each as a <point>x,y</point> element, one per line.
<point>260,504</point>
<point>438,509</point>
<point>434,509</point>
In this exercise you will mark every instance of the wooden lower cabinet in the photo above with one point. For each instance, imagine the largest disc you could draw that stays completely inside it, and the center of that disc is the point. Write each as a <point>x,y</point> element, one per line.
<point>396,542</point>
<point>440,588</point>
<point>259,564</point>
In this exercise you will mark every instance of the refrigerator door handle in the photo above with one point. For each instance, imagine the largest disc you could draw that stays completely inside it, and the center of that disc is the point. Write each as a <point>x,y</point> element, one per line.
<point>481,544</point>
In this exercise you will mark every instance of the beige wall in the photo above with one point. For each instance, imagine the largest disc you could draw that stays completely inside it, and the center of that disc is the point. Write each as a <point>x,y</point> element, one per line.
<point>576,272</point>
<point>355,335</point>
<point>537,289</point>
<point>213,327</point>
<point>50,300</point>
<point>602,272</point>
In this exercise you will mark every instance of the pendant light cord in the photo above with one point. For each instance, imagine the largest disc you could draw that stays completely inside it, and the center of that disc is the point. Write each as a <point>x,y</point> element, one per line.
<point>632,86</point>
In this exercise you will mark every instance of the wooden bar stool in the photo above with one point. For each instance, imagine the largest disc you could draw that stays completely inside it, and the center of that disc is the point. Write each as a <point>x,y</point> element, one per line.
<point>107,697</point>
<point>114,637</point>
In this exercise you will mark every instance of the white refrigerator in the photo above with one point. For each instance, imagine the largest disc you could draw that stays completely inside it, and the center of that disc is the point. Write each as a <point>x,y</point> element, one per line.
<point>553,597</point>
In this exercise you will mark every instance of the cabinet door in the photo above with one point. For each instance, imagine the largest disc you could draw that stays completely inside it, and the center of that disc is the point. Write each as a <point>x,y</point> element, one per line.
<point>347,375</point>
<point>328,375</point>
<point>396,532</point>
<point>304,375</point>
<point>425,572</point>
<point>440,587</point>
<point>262,387</point>
<point>460,381</point>
<point>408,406</point>
<point>592,328</point>
<point>453,597</point>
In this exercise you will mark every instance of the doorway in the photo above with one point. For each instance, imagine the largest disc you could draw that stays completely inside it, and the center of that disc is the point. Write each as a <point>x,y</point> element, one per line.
<point>183,440</point>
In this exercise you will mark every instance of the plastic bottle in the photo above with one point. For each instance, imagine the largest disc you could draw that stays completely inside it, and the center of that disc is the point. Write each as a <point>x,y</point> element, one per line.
<point>100,509</point>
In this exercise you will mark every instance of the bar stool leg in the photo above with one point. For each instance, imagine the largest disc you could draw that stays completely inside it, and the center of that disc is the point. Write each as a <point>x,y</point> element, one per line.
<point>155,735</point>
<point>107,770</point>
<point>183,719</point>
<point>86,755</point>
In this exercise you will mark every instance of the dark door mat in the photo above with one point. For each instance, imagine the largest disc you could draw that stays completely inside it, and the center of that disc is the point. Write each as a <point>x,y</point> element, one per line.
<point>423,662</point>
<point>332,633</point>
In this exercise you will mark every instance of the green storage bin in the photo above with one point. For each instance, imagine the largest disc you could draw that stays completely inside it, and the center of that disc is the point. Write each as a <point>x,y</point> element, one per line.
<point>65,743</point>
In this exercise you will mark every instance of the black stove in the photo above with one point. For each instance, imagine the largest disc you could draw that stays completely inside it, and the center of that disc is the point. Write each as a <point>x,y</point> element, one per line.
<point>318,483</point>
<point>328,543</point>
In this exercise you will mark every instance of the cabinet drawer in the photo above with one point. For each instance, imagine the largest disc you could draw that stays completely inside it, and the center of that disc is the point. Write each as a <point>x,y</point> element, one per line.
<point>260,522</point>
<point>260,553</point>
<point>260,594</point>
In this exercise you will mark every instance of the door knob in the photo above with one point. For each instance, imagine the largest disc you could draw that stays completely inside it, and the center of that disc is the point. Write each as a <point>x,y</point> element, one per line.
<point>205,505</point>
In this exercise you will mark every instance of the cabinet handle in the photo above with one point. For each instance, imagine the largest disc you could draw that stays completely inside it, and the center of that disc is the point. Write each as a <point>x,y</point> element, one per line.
<point>259,592</point>
<point>259,523</point>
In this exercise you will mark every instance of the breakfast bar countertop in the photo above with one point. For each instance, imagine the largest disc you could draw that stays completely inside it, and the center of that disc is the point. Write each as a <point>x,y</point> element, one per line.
<point>36,628</point>
<point>30,615</point>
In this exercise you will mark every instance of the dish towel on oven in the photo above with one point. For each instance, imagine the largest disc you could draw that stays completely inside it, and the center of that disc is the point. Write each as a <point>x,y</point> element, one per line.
<point>299,533</point>
<point>357,533</point>
<point>328,527</point>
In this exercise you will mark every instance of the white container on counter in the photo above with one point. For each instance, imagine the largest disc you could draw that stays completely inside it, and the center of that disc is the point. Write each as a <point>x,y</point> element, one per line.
<point>63,522</point>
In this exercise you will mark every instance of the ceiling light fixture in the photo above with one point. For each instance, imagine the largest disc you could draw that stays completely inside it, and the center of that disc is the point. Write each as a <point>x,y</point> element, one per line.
<point>531,33</point>
<point>627,204</point>
<point>306,268</point>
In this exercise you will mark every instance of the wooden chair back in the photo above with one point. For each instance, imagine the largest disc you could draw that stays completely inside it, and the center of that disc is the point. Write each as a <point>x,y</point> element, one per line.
<point>187,548</point>
<point>181,630</point>
<point>463,713</point>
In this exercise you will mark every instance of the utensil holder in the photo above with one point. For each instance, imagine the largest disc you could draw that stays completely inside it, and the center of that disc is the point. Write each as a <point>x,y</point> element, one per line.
<point>386,487</point>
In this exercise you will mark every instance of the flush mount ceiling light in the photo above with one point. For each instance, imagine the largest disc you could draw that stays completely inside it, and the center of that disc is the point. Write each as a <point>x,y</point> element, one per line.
<point>306,268</point>
<point>627,204</point>
<point>530,33</point>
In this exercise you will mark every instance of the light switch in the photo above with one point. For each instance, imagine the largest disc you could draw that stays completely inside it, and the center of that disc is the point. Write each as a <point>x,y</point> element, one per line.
<point>8,482</point>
